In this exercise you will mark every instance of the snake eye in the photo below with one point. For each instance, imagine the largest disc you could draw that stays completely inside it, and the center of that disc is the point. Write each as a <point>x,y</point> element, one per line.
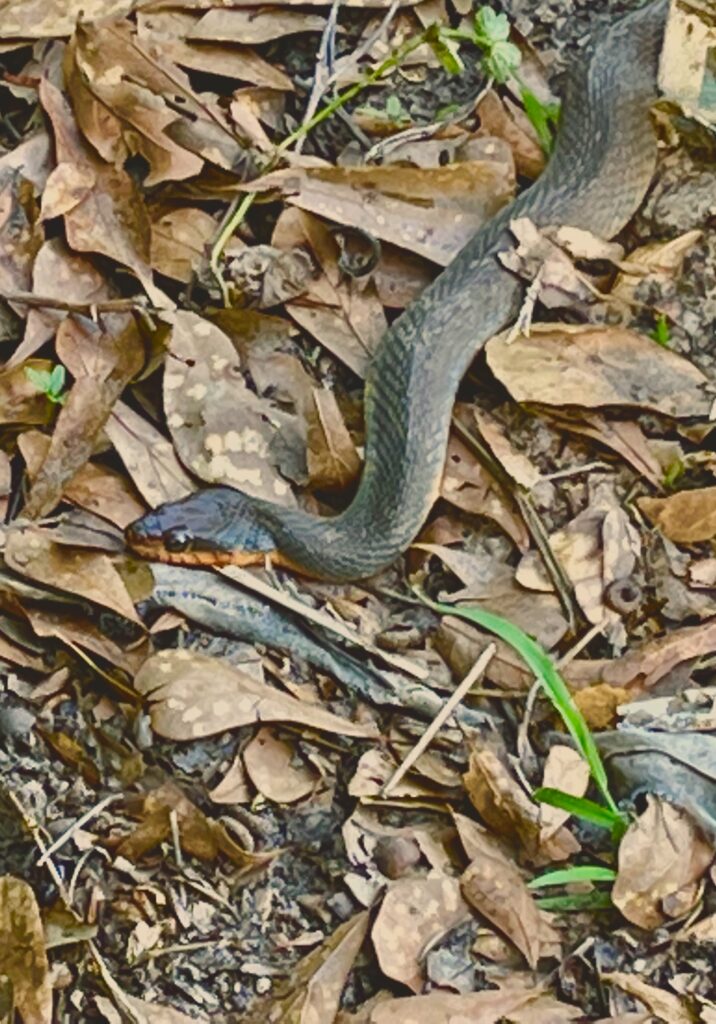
<point>177,540</point>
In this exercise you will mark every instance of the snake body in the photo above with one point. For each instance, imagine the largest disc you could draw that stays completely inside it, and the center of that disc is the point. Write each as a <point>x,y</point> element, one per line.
<point>601,167</point>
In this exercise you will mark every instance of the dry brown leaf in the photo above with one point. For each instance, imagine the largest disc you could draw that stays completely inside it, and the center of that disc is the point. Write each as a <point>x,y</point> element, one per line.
<point>19,238</point>
<point>643,667</point>
<point>493,885</point>
<point>599,705</point>
<point>103,209</point>
<point>102,362</point>
<point>500,121</point>
<point>501,802</point>
<point>20,400</point>
<point>524,1006</point>
<point>429,211</point>
<point>660,260</point>
<point>199,836</point>
<point>687,517</point>
<point>565,769</point>
<point>150,459</point>
<point>234,787</point>
<point>345,315</point>
<point>522,470</point>
<point>179,241</point>
<point>597,366</point>
<point>159,1013</point>
<point>596,548</point>
<point>169,29</point>
<point>414,914</point>
<point>193,695</point>
<point>468,485</point>
<point>312,995</point>
<point>63,275</point>
<point>662,858</point>
<point>263,276</point>
<point>276,769</point>
<point>625,437</point>
<point>663,1004</point>
<point>32,157</point>
<point>94,487</point>
<point>331,455</point>
<point>23,957</point>
<point>48,19</point>
<point>77,632</point>
<point>89,574</point>
<point>249,27</point>
<point>221,429</point>
<point>491,583</point>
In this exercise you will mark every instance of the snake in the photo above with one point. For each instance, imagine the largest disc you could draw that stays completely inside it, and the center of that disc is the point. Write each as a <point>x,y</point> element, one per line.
<point>600,169</point>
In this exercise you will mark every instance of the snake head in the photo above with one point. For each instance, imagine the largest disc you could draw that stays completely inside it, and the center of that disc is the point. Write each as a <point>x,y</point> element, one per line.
<point>216,526</point>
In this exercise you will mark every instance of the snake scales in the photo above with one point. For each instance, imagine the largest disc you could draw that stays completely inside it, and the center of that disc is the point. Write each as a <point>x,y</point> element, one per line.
<point>599,172</point>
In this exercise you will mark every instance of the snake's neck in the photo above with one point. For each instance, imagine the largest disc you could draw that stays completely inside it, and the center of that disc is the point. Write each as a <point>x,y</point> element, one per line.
<point>598,174</point>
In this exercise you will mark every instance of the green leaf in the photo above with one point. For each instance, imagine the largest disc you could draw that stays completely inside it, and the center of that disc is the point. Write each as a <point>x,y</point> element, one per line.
<point>445,49</point>
<point>579,901</point>
<point>57,380</point>
<point>542,667</point>
<point>40,379</point>
<point>662,332</point>
<point>502,60</point>
<point>542,117</point>
<point>602,817</point>
<point>491,27</point>
<point>579,873</point>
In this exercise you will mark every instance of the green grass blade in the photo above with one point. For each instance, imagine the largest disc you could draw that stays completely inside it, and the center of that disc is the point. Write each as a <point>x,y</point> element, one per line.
<point>579,873</point>
<point>578,902</point>
<point>541,665</point>
<point>602,817</point>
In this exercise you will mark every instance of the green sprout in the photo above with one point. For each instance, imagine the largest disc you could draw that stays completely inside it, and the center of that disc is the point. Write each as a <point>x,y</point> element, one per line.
<point>662,332</point>
<point>50,382</point>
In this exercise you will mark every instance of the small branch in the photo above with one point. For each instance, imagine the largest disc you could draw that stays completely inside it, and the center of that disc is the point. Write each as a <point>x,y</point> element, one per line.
<point>449,706</point>
<point>90,309</point>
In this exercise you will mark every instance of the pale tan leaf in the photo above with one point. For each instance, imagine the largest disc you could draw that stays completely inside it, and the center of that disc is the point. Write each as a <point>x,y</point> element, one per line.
<point>150,459</point>
<point>597,366</point>
<point>276,769</point>
<point>662,857</point>
<point>413,915</point>
<point>194,695</point>
<point>687,517</point>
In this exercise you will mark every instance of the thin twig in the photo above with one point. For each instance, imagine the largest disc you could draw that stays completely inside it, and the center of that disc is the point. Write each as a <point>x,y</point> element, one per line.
<point>76,825</point>
<point>449,706</point>
<point>90,309</point>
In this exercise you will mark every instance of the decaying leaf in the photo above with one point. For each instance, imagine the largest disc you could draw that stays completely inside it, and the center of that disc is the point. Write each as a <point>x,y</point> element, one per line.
<point>276,769</point>
<point>687,517</point>
<point>523,1006</point>
<point>150,459</point>
<point>412,916</point>
<point>193,695</point>
<point>591,367</point>
<point>314,991</point>
<point>102,207</point>
<point>23,958</point>
<point>493,885</point>
<point>31,552</point>
<point>221,429</point>
<point>662,858</point>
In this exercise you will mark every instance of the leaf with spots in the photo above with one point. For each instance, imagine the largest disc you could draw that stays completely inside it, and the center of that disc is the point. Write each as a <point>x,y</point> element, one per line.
<point>414,915</point>
<point>193,695</point>
<point>221,429</point>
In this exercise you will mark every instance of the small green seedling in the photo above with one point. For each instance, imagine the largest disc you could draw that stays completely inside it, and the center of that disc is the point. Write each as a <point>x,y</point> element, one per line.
<point>394,111</point>
<point>662,332</point>
<point>544,670</point>
<point>594,900</point>
<point>50,382</point>
<point>501,58</point>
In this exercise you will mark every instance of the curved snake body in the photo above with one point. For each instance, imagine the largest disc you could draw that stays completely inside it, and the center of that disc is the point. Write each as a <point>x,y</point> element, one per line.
<point>599,172</point>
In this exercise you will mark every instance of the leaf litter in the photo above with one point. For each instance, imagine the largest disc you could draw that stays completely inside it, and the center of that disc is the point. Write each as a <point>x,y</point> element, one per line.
<point>251,826</point>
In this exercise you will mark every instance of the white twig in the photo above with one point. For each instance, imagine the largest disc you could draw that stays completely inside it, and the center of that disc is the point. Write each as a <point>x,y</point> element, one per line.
<point>426,739</point>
